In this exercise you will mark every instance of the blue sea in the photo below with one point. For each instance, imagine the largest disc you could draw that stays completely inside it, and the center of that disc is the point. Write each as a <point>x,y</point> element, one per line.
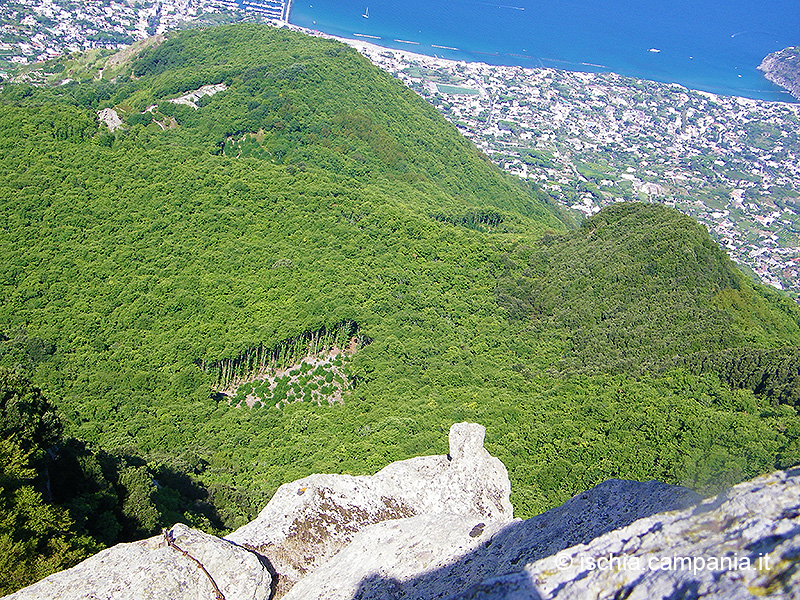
<point>711,45</point>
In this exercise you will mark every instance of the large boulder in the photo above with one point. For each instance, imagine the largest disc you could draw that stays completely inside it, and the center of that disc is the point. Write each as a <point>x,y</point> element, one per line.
<point>436,555</point>
<point>182,564</point>
<point>744,543</point>
<point>308,521</point>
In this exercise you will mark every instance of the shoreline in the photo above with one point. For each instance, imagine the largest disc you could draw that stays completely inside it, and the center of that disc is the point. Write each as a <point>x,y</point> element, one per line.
<point>361,46</point>
<point>428,50</point>
<point>364,47</point>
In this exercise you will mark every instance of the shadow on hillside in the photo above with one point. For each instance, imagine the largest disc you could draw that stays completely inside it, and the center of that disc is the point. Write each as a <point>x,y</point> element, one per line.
<point>611,505</point>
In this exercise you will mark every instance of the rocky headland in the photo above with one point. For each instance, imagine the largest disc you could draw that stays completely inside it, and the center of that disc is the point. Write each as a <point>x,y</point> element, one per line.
<point>783,68</point>
<point>443,527</point>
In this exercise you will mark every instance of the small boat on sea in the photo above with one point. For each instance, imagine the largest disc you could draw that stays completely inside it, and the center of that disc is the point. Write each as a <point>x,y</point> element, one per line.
<point>366,13</point>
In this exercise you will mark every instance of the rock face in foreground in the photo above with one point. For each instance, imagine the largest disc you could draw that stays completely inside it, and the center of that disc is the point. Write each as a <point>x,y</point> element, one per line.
<point>155,569</point>
<point>783,68</point>
<point>441,527</point>
<point>744,543</point>
<point>434,556</point>
<point>311,519</point>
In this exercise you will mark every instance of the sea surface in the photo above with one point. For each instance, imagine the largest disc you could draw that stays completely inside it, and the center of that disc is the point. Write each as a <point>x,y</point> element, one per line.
<point>710,45</point>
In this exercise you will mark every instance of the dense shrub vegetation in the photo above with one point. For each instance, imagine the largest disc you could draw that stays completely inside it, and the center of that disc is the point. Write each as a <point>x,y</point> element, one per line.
<point>62,499</point>
<point>315,191</point>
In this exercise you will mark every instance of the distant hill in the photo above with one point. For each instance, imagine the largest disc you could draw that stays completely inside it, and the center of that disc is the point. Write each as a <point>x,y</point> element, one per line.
<point>636,284</point>
<point>159,279</point>
<point>783,68</point>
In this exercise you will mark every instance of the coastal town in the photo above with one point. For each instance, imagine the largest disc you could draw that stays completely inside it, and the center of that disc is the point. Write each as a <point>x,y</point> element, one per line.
<point>587,139</point>
<point>37,30</point>
<point>592,139</point>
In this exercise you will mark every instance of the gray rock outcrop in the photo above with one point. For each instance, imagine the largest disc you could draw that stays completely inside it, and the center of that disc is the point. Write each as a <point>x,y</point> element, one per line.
<point>441,527</point>
<point>155,569</point>
<point>110,117</point>
<point>434,556</point>
<point>744,543</point>
<point>381,560</point>
<point>308,521</point>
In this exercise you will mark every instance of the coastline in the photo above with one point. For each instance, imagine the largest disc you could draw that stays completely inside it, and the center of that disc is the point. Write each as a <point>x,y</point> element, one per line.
<point>365,47</point>
<point>724,69</point>
<point>368,48</point>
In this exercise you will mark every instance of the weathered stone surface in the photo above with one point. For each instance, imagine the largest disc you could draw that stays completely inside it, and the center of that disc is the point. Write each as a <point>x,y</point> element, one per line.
<point>382,557</point>
<point>152,569</point>
<point>434,556</point>
<point>744,543</point>
<point>311,519</point>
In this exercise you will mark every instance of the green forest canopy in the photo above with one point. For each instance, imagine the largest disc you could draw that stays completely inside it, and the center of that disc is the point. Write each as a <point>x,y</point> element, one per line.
<point>313,191</point>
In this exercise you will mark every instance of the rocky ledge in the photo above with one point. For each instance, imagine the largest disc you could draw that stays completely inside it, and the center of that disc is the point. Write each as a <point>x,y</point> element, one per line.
<point>783,68</point>
<point>180,563</point>
<point>442,527</point>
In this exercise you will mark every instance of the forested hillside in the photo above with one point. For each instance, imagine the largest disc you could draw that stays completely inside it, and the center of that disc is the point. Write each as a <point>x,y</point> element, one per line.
<point>314,230</point>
